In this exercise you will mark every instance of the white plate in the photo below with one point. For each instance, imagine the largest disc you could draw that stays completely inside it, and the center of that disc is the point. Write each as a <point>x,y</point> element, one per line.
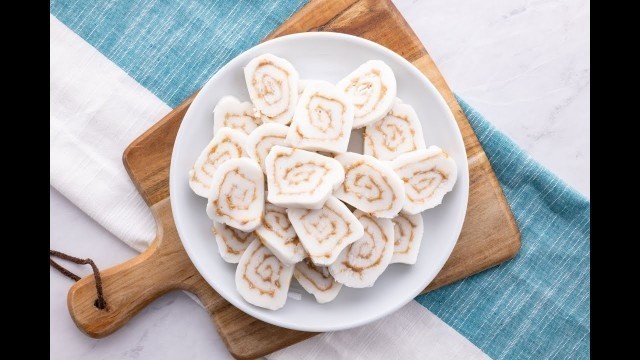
<point>326,56</point>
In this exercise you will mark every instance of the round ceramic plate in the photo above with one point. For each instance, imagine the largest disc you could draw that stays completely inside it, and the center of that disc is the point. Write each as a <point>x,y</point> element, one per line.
<point>325,56</point>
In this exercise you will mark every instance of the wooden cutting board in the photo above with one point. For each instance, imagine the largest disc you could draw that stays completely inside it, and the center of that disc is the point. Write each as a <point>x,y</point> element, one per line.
<point>489,235</point>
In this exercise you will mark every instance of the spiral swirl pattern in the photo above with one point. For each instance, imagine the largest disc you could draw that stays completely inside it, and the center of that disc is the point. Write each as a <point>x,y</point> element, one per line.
<point>372,90</point>
<point>262,139</point>
<point>232,113</point>
<point>427,175</point>
<point>244,122</point>
<point>231,242</point>
<point>361,263</point>
<point>370,185</point>
<point>273,87</point>
<point>277,233</point>
<point>261,279</point>
<point>316,280</point>
<point>227,144</point>
<point>326,231</point>
<point>408,231</point>
<point>299,178</point>
<point>277,223</point>
<point>397,133</point>
<point>237,194</point>
<point>366,92</point>
<point>322,121</point>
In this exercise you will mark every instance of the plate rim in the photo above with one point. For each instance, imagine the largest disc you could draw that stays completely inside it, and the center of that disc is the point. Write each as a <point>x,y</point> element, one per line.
<point>245,306</point>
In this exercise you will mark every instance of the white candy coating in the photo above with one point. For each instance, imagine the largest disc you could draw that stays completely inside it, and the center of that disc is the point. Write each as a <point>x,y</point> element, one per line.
<point>273,87</point>
<point>301,179</point>
<point>317,281</point>
<point>370,185</point>
<point>325,232</point>
<point>226,144</point>
<point>261,279</point>
<point>397,133</point>
<point>408,231</point>
<point>428,174</point>
<point>231,242</point>
<point>235,114</point>
<point>236,197</point>
<point>372,89</point>
<point>360,264</point>
<point>277,233</point>
<point>322,120</point>
<point>262,139</point>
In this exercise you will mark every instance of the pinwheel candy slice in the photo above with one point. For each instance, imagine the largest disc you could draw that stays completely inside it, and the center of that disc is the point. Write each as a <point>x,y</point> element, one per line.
<point>261,279</point>
<point>325,232</point>
<point>397,133</point>
<point>370,185</point>
<point>232,113</point>
<point>277,233</point>
<point>273,87</point>
<point>226,144</point>
<point>262,139</point>
<point>236,197</point>
<point>360,264</point>
<point>301,179</point>
<point>408,231</point>
<point>428,175</point>
<point>231,242</point>
<point>322,120</point>
<point>372,89</point>
<point>317,281</point>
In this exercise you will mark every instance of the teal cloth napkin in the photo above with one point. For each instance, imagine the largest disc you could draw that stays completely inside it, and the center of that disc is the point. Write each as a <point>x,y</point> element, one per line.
<point>534,306</point>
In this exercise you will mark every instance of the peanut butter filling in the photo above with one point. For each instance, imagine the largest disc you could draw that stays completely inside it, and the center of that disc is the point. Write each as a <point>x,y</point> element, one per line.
<point>226,149</point>
<point>325,281</point>
<point>237,198</point>
<point>367,187</point>
<point>323,119</point>
<point>245,122</point>
<point>270,89</point>
<point>422,182</point>
<point>235,241</point>
<point>395,132</point>
<point>404,234</point>
<point>363,91</point>
<point>308,172</point>
<point>367,252</point>
<point>262,271</point>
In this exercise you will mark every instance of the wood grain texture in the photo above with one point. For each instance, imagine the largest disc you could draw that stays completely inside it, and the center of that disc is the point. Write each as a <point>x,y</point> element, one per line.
<point>489,236</point>
<point>164,267</point>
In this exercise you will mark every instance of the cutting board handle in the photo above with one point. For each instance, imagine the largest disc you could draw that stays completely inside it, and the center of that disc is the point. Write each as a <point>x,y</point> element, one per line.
<point>131,286</point>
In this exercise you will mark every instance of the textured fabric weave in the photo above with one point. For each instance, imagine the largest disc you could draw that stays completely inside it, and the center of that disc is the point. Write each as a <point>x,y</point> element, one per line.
<point>173,47</point>
<point>536,305</point>
<point>412,332</point>
<point>96,110</point>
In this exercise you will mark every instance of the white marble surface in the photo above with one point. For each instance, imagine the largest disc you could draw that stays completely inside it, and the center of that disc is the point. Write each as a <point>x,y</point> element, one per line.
<point>173,327</point>
<point>523,64</point>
